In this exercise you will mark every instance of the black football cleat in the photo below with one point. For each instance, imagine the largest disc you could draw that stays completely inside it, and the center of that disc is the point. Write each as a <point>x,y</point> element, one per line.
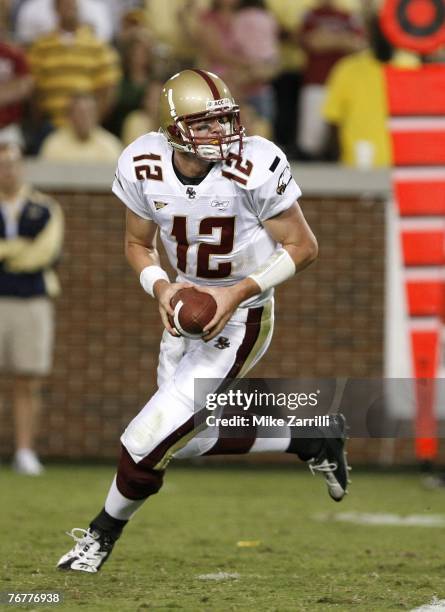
<point>331,461</point>
<point>90,552</point>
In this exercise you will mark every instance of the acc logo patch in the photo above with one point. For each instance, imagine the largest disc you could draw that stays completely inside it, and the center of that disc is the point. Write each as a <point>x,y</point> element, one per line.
<point>284,180</point>
<point>418,25</point>
<point>224,103</point>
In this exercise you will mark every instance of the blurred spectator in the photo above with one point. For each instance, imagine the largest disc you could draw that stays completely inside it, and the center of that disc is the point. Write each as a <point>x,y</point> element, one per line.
<point>137,65</point>
<point>253,123</point>
<point>145,119</point>
<point>119,8</point>
<point>355,104</point>
<point>35,18</point>
<point>16,84</point>
<point>219,47</point>
<point>31,235</point>
<point>82,139</point>
<point>132,23</point>
<point>69,60</point>
<point>256,31</point>
<point>238,39</point>
<point>171,23</point>
<point>327,34</point>
<point>288,81</point>
<point>5,19</point>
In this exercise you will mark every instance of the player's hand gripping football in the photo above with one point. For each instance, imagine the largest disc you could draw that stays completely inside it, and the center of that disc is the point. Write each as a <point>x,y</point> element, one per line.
<point>227,301</point>
<point>164,292</point>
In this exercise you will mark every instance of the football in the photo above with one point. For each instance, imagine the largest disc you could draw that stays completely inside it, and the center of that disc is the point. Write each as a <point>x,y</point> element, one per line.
<point>193,310</point>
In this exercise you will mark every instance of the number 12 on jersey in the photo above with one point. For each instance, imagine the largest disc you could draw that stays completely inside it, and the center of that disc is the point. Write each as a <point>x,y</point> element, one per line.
<point>205,250</point>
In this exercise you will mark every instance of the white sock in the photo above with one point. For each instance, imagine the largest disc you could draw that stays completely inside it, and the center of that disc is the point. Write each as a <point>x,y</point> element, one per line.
<point>120,507</point>
<point>272,445</point>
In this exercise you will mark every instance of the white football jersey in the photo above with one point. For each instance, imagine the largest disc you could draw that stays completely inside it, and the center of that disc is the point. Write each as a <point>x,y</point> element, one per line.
<point>213,232</point>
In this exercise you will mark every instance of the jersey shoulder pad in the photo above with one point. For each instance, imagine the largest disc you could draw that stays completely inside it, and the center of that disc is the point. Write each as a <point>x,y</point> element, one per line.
<point>152,144</point>
<point>262,157</point>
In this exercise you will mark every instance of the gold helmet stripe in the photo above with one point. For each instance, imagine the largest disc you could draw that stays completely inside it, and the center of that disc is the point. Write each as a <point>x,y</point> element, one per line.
<point>213,88</point>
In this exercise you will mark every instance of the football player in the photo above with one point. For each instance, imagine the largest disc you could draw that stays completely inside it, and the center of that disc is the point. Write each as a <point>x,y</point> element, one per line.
<point>225,207</point>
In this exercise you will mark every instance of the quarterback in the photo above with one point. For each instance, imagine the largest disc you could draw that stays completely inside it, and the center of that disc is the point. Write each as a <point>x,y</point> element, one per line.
<point>225,208</point>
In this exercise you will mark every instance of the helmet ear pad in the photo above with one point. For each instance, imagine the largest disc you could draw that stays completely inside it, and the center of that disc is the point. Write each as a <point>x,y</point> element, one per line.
<point>174,131</point>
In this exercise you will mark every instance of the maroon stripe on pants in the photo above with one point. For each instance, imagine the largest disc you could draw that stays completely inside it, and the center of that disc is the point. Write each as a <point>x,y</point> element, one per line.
<point>253,328</point>
<point>213,88</point>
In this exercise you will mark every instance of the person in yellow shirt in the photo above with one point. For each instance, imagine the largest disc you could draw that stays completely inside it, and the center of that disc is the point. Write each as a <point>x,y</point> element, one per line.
<point>69,60</point>
<point>82,139</point>
<point>355,106</point>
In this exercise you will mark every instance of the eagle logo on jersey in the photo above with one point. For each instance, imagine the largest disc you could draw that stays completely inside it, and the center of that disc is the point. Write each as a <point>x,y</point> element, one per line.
<point>284,180</point>
<point>222,343</point>
<point>159,205</point>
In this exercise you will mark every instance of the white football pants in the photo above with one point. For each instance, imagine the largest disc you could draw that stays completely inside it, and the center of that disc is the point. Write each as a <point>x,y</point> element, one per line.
<point>166,427</point>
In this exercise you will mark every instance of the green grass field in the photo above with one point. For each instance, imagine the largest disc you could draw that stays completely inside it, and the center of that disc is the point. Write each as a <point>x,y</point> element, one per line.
<point>192,528</point>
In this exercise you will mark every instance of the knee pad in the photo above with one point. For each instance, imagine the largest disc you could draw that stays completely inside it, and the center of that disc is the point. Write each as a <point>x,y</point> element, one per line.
<point>155,424</point>
<point>137,480</point>
<point>141,436</point>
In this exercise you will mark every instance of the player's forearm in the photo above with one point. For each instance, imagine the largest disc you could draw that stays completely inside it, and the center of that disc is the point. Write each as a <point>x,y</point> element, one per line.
<point>140,256</point>
<point>303,254</point>
<point>245,289</point>
<point>282,265</point>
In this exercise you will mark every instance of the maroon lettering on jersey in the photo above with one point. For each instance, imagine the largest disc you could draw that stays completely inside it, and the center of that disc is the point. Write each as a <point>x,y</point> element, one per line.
<point>238,170</point>
<point>205,249</point>
<point>179,231</point>
<point>148,171</point>
<point>225,246</point>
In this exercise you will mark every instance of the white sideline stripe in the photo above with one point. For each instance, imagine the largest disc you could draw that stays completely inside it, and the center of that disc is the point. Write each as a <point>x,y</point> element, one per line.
<point>424,273</point>
<point>424,324</point>
<point>416,124</point>
<point>421,224</point>
<point>219,576</point>
<point>380,518</point>
<point>436,605</point>
<point>414,173</point>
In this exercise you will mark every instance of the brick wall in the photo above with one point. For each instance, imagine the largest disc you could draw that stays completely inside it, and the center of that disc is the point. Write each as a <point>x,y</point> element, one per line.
<point>329,323</point>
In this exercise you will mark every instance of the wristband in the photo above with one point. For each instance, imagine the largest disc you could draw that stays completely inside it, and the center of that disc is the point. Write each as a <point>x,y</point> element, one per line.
<point>278,268</point>
<point>149,276</point>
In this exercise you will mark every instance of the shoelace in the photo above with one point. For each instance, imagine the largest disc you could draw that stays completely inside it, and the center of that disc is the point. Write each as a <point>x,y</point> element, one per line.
<point>85,534</point>
<point>322,467</point>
